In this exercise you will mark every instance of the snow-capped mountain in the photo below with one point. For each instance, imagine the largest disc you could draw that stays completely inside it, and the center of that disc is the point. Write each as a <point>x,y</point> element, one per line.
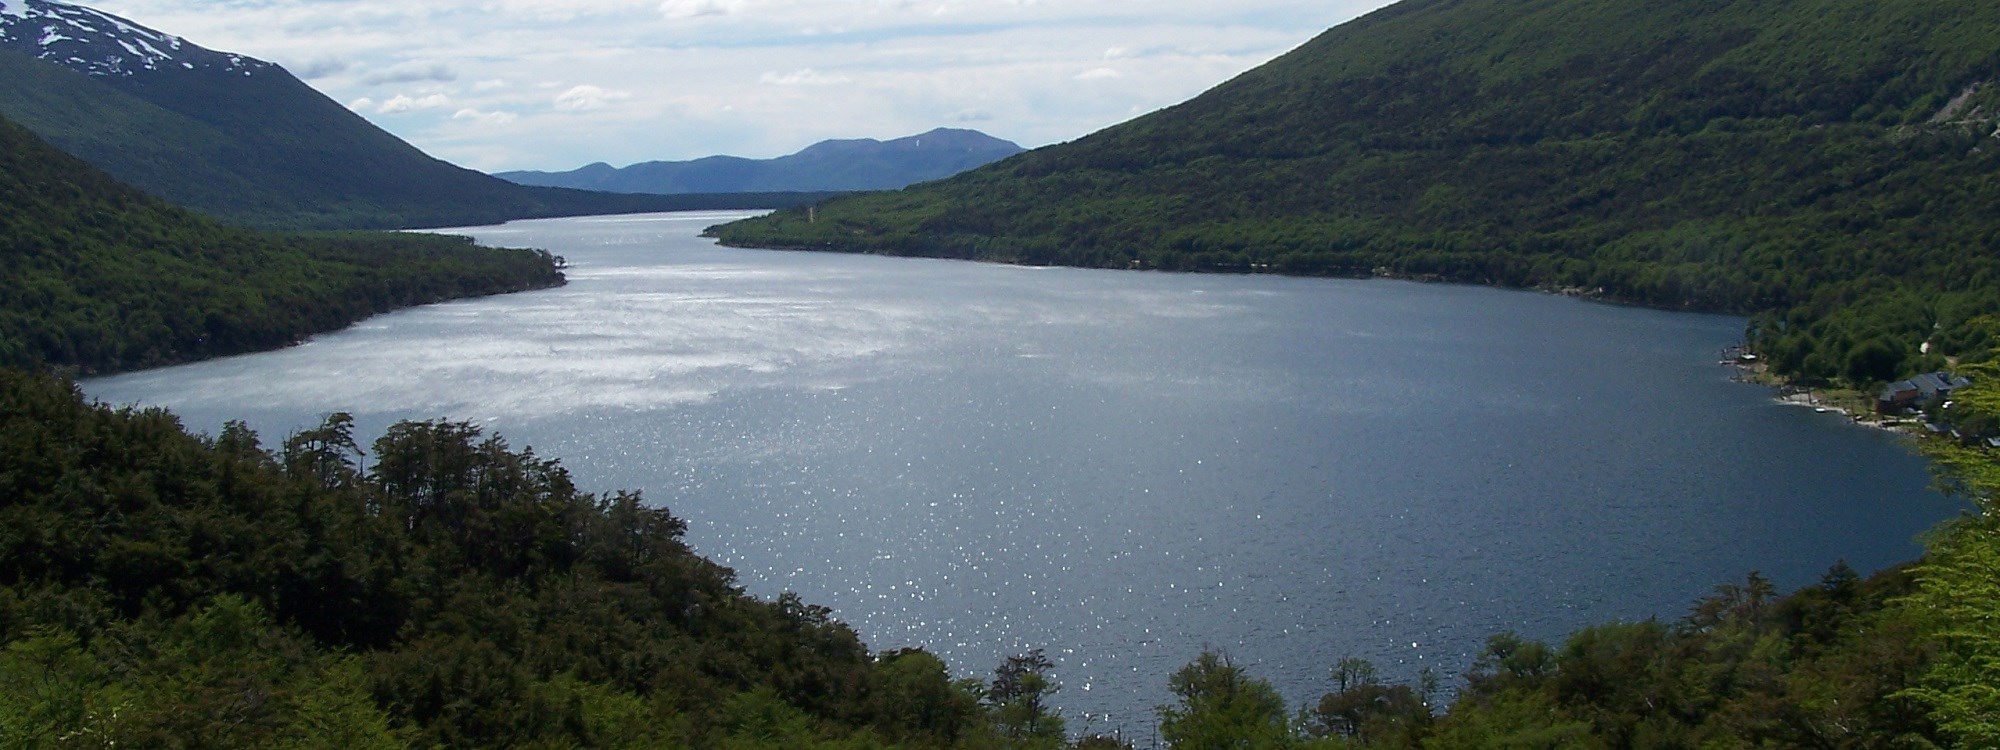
<point>100,44</point>
<point>238,137</point>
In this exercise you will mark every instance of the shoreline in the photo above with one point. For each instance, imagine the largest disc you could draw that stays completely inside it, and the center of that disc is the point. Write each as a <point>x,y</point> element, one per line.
<point>1854,405</point>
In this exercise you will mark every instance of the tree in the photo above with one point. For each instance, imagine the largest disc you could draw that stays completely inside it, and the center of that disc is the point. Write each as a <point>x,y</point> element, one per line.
<point>1363,708</point>
<point>1019,695</point>
<point>1221,707</point>
<point>327,454</point>
<point>1873,361</point>
<point>916,701</point>
<point>1509,662</point>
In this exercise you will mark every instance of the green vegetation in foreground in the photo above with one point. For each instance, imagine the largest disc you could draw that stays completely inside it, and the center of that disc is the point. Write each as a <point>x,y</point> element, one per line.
<point>440,589</point>
<point>101,277</point>
<point>1825,164</point>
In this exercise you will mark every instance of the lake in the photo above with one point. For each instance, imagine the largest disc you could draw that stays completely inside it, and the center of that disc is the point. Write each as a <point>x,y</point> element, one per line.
<point>1123,468</point>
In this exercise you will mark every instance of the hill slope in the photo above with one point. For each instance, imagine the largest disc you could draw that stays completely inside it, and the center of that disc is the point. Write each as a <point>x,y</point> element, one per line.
<point>1823,161</point>
<point>842,165</point>
<point>241,138</point>
<point>101,277</point>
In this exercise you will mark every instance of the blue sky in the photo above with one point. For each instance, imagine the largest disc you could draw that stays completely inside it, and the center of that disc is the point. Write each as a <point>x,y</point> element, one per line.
<point>548,84</point>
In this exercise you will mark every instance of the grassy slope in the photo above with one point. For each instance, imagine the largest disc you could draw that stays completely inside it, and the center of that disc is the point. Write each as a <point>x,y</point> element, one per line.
<point>1738,156</point>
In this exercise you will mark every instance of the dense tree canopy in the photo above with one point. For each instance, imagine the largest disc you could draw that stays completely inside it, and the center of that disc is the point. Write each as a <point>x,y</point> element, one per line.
<point>436,588</point>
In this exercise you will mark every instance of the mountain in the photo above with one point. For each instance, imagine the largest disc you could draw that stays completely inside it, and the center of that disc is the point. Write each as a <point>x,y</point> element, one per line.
<point>839,165</point>
<point>101,277</point>
<point>241,138</point>
<point>1825,164</point>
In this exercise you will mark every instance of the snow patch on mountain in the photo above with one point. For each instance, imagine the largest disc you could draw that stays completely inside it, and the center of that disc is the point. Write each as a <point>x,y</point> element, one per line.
<point>100,44</point>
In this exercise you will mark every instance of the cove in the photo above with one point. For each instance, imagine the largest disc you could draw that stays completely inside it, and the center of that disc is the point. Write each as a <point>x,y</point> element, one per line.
<point>1123,468</point>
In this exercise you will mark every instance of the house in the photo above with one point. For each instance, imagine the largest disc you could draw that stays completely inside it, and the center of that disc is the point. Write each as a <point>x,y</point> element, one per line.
<point>1895,397</point>
<point>1935,385</point>
<point>1922,389</point>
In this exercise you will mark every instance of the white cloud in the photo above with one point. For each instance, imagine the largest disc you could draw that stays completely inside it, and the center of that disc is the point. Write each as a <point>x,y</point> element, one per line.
<point>803,77</point>
<point>492,118</point>
<point>639,80</point>
<point>411,73</point>
<point>678,9</point>
<point>401,103</point>
<point>547,11</point>
<point>308,70</point>
<point>583,98</point>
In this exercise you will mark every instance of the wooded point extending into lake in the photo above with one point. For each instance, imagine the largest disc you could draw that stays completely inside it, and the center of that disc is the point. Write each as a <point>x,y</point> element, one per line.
<point>101,277</point>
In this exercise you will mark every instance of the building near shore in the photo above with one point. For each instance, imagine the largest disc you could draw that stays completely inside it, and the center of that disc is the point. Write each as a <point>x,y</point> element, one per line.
<point>1919,391</point>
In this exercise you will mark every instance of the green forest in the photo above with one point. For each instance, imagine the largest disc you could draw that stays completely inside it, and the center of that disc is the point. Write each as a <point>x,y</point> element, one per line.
<point>1824,165</point>
<point>100,277</point>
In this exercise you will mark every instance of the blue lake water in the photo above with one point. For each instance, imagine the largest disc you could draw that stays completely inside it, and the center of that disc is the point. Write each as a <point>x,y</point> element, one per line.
<point>1124,468</point>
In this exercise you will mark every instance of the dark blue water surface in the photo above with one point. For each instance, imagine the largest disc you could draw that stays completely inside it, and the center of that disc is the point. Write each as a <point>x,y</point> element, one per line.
<point>1124,468</point>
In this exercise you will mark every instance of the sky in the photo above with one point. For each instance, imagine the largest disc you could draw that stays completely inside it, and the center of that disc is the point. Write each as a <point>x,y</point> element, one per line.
<point>556,84</point>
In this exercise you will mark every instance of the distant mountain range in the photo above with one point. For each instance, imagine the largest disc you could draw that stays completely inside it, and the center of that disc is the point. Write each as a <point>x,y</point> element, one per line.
<point>839,165</point>
<point>243,139</point>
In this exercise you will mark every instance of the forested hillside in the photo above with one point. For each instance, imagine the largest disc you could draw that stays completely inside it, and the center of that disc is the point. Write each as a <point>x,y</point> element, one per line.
<point>100,277</point>
<point>1826,164</point>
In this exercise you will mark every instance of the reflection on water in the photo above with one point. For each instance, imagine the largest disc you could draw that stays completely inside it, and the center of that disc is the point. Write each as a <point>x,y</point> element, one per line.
<point>1123,468</point>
